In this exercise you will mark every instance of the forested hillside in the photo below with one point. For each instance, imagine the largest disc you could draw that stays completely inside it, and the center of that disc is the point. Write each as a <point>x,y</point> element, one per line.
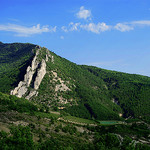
<point>24,125</point>
<point>63,105</point>
<point>82,91</point>
<point>14,59</point>
<point>130,91</point>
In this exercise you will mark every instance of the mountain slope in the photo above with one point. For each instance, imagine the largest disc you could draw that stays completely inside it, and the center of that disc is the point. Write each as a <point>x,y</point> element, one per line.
<point>14,58</point>
<point>24,125</point>
<point>131,92</point>
<point>83,91</point>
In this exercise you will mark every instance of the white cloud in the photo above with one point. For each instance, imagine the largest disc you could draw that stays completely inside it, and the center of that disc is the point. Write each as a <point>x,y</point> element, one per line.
<point>141,22</point>
<point>64,28</point>
<point>123,27</point>
<point>84,13</point>
<point>71,27</point>
<point>74,26</point>
<point>26,31</point>
<point>52,29</point>
<point>102,26</point>
<point>96,28</point>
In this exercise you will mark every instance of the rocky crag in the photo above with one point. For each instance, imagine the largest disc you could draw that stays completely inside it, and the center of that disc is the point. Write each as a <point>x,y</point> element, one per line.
<point>34,76</point>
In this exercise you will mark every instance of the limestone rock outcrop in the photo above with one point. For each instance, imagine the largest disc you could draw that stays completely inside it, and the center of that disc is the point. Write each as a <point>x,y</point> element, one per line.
<point>40,74</point>
<point>31,94</point>
<point>37,69</point>
<point>48,55</point>
<point>20,90</point>
<point>22,87</point>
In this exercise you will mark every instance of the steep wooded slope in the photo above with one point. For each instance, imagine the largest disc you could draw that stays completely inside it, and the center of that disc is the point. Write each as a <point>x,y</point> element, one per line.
<point>83,91</point>
<point>14,58</point>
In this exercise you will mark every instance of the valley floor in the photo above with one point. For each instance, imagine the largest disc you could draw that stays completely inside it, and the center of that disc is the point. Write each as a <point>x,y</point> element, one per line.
<point>46,126</point>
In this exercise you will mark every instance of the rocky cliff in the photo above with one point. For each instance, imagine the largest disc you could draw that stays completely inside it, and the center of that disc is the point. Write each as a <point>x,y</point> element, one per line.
<point>35,73</point>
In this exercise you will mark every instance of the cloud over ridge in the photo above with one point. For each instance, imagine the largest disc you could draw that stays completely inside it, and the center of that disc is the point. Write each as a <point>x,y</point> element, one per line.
<point>26,31</point>
<point>85,24</point>
<point>123,27</point>
<point>95,28</point>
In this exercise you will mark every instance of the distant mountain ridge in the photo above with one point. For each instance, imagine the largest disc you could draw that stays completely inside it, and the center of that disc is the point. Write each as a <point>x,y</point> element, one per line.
<point>37,74</point>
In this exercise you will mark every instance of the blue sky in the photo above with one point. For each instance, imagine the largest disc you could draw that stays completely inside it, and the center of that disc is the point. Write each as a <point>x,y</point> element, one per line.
<point>110,34</point>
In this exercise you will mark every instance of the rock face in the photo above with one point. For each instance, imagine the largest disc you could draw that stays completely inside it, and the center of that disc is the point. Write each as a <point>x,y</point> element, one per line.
<point>31,94</point>
<point>20,90</point>
<point>36,69</point>
<point>62,86</point>
<point>40,74</point>
<point>31,70</point>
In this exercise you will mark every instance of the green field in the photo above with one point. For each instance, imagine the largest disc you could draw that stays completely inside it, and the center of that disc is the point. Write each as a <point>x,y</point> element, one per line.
<point>87,121</point>
<point>46,115</point>
<point>108,122</point>
<point>79,120</point>
<point>75,119</point>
